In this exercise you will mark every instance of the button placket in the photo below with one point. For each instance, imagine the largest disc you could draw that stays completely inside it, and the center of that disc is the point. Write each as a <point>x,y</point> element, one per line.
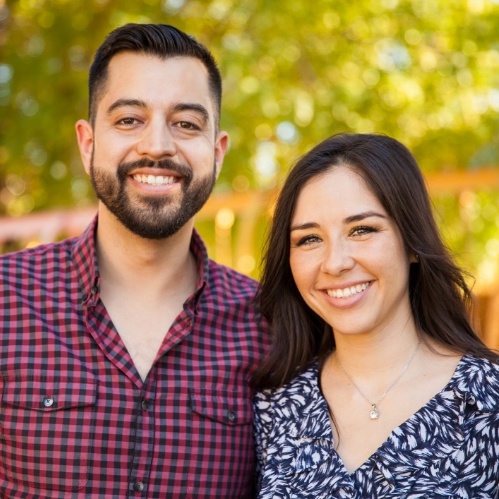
<point>144,448</point>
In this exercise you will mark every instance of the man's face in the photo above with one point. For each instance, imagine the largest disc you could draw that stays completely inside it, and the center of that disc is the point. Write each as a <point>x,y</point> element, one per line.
<point>154,152</point>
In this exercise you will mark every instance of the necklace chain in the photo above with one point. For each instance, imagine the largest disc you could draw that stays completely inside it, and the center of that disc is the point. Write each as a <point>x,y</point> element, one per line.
<point>374,414</point>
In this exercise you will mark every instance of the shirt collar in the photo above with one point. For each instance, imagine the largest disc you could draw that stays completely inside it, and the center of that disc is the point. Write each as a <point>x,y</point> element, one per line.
<point>85,259</point>
<point>198,250</point>
<point>313,421</point>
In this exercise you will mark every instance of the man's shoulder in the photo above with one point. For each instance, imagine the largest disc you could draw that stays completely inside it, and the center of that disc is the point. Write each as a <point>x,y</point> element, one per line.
<point>30,258</point>
<point>227,277</point>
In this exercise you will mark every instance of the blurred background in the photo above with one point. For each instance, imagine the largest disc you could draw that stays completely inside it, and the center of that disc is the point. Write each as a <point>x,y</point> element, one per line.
<point>423,71</point>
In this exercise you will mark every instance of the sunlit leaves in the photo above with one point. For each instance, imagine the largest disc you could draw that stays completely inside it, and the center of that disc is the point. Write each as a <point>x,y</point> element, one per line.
<point>424,71</point>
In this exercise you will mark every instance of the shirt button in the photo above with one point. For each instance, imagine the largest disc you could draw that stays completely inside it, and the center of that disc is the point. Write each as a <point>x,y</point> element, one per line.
<point>231,416</point>
<point>48,401</point>
<point>138,486</point>
<point>145,405</point>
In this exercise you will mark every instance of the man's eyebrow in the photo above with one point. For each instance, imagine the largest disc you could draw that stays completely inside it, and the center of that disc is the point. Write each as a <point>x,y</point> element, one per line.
<point>190,106</point>
<point>125,103</point>
<point>181,106</point>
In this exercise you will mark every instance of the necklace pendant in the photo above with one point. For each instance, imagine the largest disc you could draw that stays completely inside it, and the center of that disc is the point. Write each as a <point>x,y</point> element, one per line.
<point>374,414</point>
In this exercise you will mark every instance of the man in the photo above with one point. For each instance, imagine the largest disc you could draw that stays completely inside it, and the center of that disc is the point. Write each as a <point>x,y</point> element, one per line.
<point>126,353</point>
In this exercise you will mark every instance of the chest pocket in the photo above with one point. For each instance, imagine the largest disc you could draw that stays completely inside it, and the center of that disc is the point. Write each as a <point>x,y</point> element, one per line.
<point>47,428</point>
<point>221,428</point>
<point>225,408</point>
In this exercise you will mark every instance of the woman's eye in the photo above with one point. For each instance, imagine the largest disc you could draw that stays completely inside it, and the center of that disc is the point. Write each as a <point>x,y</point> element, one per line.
<point>362,230</point>
<point>307,240</point>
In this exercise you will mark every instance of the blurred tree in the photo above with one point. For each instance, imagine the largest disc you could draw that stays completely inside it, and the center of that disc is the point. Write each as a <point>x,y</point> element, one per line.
<point>423,71</point>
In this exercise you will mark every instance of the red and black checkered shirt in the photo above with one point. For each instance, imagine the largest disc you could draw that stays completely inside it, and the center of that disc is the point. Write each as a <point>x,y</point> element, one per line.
<point>76,420</point>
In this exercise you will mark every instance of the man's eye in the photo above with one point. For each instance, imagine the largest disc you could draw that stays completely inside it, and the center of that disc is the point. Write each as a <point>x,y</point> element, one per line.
<point>187,125</point>
<point>127,121</point>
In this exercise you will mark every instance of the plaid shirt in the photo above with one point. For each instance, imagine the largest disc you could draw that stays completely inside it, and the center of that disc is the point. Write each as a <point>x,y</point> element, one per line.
<point>76,420</point>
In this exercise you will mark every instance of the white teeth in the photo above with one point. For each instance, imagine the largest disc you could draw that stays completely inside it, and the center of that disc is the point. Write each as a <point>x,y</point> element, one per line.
<point>154,179</point>
<point>346,292</point>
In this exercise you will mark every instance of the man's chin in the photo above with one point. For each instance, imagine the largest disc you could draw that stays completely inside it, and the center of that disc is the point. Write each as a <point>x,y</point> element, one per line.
<point>153,226</point>
<point>153,233</point>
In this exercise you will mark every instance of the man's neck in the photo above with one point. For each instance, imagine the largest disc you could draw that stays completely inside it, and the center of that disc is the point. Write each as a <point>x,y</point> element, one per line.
<point>144,285</point>
<point>126,259</point>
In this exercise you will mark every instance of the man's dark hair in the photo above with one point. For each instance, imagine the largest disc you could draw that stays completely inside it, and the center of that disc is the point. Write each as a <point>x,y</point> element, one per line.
<point>161,40</point>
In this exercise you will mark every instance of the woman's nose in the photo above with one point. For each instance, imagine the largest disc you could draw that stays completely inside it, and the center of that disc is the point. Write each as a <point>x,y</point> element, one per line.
<point>337,258</point>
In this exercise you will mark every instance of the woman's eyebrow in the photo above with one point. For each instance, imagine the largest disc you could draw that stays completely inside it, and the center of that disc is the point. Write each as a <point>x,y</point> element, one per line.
<point>348,220</point>
<point>361,216</point>
<point>306,225</point>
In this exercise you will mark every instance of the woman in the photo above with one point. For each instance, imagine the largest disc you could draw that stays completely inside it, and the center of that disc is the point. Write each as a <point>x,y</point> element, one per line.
<point>376,384</point>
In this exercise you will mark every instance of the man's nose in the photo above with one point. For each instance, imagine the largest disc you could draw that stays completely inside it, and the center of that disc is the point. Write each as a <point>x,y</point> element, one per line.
<point>157,140</point>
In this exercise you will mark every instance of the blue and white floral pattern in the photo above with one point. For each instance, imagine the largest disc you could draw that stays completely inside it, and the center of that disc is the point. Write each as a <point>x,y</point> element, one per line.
<point>447,449</point>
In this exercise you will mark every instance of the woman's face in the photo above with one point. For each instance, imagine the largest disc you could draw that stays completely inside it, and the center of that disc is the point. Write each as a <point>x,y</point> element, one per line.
<point>347,256</point>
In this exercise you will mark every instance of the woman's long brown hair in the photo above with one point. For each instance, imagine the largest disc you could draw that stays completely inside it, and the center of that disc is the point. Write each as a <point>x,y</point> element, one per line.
<point>440,297</point>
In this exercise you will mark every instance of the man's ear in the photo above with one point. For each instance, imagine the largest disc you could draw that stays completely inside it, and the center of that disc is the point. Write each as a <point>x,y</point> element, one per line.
<point>221,144</point>
<point>85,137</point>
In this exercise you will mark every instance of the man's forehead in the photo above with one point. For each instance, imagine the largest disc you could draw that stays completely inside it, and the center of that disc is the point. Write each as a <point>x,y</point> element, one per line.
<point>157,78</point>
<point>130,62</point>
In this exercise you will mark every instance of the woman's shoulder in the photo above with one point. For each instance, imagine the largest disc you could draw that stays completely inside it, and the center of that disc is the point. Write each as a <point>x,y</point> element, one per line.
<point>473,366</point>
<point>297,396</point>
<point>302,383</point>
<point>478,380</point>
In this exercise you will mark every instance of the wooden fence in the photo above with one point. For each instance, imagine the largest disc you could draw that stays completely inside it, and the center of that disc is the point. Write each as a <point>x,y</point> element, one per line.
<point>232,223</point>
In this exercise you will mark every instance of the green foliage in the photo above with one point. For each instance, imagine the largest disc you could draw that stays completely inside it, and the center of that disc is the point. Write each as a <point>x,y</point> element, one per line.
<point>423,71</point>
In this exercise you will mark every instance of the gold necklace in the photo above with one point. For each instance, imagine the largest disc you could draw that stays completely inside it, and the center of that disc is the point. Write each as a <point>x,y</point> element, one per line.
<point>374,414</point>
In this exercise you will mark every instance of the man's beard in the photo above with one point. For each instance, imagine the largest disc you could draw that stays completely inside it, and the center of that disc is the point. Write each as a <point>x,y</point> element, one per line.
<point>152,217</point>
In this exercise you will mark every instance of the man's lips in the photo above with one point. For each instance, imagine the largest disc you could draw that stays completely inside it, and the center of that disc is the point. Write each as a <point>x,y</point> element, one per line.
<point>154,179</point>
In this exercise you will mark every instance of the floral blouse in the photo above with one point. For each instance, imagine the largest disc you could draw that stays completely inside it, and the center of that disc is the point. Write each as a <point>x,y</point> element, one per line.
<point>448,449</point>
